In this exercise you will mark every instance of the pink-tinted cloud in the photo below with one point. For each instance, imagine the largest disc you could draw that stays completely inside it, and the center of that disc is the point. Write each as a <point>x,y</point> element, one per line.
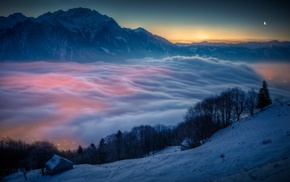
<point>39,98</point>
<point>276,74</point>
<point>73,103</point>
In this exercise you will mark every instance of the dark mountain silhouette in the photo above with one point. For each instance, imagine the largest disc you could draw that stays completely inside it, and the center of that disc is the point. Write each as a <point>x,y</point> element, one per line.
<point>82,34</point>
<point>77,34</point>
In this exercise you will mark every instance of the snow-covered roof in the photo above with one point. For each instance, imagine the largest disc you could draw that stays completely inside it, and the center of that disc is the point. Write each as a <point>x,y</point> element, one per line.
<point>55,160</point>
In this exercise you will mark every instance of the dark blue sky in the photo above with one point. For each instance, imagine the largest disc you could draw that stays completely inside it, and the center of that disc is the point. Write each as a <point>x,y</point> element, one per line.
<point>183,20</point>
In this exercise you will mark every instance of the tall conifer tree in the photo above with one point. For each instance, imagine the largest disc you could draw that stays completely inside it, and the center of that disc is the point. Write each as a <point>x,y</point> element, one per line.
<point>264,96</point>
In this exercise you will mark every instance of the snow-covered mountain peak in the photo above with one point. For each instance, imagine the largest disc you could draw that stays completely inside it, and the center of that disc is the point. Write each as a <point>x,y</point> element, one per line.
<point>142,30</point>
<point>78,33</point>
<point>17,16</point>
<point>85,21</point>
<point>75,19</point>
<point>11,20</point>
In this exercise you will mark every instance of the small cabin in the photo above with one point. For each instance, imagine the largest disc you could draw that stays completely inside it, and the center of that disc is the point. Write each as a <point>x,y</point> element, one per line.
<point>57,164</point>
<point>186,144</point>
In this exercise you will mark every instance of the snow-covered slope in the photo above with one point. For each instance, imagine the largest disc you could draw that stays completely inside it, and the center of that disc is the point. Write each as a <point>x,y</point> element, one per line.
<point>236,153</point>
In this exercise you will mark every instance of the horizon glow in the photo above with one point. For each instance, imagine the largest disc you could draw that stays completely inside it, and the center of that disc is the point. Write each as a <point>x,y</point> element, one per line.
<point>182,21</point>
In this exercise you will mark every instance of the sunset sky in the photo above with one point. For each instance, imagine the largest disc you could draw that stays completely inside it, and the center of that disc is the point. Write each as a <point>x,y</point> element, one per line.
<point>180,21</point>
<point>72,103</point>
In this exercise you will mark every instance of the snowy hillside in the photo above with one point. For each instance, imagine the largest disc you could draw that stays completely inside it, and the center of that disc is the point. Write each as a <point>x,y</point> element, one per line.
<point>236,153</point>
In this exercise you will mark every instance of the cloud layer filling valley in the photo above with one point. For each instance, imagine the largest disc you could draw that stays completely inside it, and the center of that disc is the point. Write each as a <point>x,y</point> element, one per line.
<point>72,103</point>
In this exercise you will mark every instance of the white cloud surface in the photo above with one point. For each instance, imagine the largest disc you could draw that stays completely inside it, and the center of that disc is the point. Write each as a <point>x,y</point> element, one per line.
<point>80,103</point>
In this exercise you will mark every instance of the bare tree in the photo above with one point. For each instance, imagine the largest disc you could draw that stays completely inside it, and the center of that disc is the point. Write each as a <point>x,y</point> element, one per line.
<point>239,101</point>
<point>226,107</point>
<point>251,101</point>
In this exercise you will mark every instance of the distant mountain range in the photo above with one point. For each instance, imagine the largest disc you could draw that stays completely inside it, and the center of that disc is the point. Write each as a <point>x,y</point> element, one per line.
<point>250,51</point>
<point>82,34</point>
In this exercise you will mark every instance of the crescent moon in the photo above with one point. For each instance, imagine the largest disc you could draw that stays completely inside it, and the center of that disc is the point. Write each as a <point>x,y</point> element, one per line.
<point>265,23</point>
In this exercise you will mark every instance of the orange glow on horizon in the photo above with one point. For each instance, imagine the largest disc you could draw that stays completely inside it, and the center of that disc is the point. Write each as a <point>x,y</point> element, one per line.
<point>228,41</point>
<point>216,34</point>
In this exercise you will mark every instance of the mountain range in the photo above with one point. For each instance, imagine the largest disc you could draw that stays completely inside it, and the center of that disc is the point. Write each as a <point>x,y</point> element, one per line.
<point>81,34</point>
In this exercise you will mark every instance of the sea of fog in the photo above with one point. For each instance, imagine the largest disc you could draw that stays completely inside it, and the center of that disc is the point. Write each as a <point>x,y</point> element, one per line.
<point>72,103</point>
